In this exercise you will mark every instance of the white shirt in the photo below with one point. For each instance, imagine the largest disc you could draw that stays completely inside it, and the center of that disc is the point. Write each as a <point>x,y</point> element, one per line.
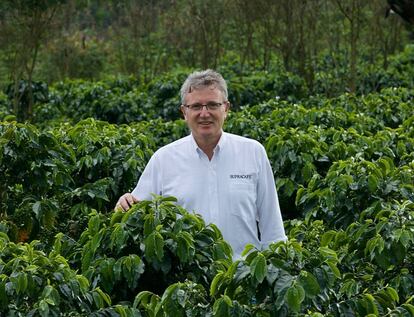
<point>234,190</point>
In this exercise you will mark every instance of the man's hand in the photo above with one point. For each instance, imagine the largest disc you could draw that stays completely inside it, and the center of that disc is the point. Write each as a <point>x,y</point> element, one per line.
<point>125,202</point>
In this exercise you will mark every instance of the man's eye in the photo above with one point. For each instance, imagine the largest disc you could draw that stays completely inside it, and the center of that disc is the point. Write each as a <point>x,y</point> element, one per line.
<point>196,107</point>
<point>213,105</point>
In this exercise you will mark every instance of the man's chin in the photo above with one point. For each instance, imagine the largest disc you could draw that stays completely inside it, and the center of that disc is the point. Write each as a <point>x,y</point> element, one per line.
<point>206,129</point>
<point>206,134</point>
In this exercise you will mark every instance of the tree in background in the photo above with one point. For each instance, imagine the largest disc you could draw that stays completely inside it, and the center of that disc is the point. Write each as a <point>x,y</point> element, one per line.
<point>134,33</point>
<point>27,25</point>
<point>146,38</point>
<point>385,35</point>
<point>353,13</point>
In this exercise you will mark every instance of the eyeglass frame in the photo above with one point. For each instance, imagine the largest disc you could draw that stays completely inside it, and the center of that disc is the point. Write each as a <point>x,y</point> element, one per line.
<point>217,105</point>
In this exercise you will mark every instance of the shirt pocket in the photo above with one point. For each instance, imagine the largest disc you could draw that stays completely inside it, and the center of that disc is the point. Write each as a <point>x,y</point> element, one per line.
<point>243,200</point>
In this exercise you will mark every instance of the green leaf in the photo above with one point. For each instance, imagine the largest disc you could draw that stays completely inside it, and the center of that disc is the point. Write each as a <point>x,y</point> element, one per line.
<point>372,183</point>
<point>185,246</point>
<point>83,283</point>
<point>154,246</point>
<point>258,267</point>
<point>98,300</point>
<point>300,196</point>
<point>149,224</point>
<point>409,308</point>
<point>374,246</point>
<point>57,245</point>
<point>119,236</point>
<point>121,311</point>
<point>117,269</point>
<point>143,299</point>
<point>295,296</point>
<point>370,304</point>
<point>238,271</point>
<point>132,268</point>
<point>3,294</point>
<point>309,283</point>
<point>328,253</point>
<point>51,295</point>
<point>116,217</point>
<point>43,308</point>
<point>104,296</point>
<point>406,238</point>
<point>350,287</point>
<point>247,249</point>
<point>170,300</point>
<point>221,307</point>
<point>385,164</point>
<point>393,294</point>
<point>20,283</point>
<point>327,237</point>
<point>272,273</point>
<point>307,171</point>
<point>168,199</point>
<point>221,250</point>
<point>281,286</point>
<point>217,282</point>
<point>334,269</point>
<point>94,224</point>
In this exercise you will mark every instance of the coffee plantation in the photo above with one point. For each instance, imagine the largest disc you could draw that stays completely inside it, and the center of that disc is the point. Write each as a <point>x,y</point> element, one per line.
<point>344,170</point>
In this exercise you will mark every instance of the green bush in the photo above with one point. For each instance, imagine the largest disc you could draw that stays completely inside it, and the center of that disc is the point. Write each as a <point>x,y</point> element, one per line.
<point>53,178</point>
<point>343,169</point>
<point>33,283</point>
<point>78,100</point>
<point>153,239</point>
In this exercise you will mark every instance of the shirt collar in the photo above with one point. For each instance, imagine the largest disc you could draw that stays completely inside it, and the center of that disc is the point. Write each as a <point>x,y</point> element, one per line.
<point>222,141</point>
<point>218,147</point>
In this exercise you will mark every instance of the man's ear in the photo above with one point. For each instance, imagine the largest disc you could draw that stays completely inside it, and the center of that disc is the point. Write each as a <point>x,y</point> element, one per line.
<point>228,104</point>
<point>182,108</point>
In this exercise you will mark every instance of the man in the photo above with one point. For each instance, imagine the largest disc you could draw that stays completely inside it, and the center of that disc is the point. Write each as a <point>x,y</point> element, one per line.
<point>224,177</point>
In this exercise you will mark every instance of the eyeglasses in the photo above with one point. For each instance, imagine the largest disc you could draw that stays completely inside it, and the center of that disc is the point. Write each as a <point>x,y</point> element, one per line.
<point>210,106</point>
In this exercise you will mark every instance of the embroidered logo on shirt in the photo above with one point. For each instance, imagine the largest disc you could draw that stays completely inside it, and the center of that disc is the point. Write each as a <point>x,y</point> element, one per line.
<point>240,176</point>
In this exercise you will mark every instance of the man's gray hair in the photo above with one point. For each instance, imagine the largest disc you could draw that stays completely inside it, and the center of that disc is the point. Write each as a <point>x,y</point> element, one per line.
<point>202,79</point>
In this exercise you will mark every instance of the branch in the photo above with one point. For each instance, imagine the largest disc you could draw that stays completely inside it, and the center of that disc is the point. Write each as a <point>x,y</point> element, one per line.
<point>343,11</point>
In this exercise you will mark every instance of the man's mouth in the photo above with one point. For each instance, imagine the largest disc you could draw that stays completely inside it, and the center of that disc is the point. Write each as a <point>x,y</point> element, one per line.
<point>205,123</point>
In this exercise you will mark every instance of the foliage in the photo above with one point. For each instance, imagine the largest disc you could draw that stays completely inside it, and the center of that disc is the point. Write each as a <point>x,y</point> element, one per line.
<point>25,25</point>
<point>33,283</point>
<point>79,100</point>
<point>4,106</point>
<point>164,92</point>
<point>76,56</point>
<point>54,178</point>
<point>263,86</point>
<point>344,173</point>
<point>156,238</point>
<point>353,185</point>
<point>128,99</point>
<point>310,39</point>
<point>26,92</point>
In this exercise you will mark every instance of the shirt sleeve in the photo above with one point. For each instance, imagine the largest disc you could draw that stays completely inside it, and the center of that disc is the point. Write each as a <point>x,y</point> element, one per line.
<point>270,218</point>
<point>150,180</point>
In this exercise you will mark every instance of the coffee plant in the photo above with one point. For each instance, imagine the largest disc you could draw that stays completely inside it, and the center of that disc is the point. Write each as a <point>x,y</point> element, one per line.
<point>344,171</point>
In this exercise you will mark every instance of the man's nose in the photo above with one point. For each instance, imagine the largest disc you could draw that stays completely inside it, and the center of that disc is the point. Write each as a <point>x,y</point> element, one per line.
<point>204,111</point>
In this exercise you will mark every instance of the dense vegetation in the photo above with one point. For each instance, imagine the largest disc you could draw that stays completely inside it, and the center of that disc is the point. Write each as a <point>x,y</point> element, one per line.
<point>326,86</point>
<point>321,41</point>
<point>343,168</point>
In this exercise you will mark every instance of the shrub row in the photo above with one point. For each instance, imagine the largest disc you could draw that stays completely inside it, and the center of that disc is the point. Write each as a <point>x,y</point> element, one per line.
<point>51,179</point>
<point>159,260</point>
<point>343,167</point>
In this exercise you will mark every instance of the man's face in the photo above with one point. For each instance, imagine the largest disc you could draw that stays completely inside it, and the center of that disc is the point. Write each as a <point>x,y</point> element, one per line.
<point>205,124</point>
